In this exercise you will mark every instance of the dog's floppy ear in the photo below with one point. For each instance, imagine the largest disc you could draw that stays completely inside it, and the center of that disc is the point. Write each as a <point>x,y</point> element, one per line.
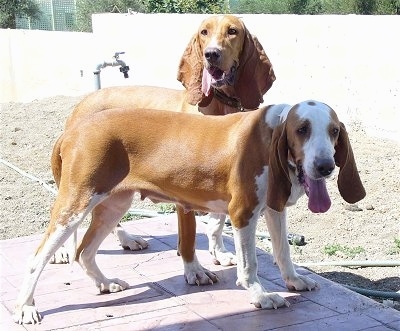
<point>190,71</point>
<point>255,74</point>
<point>349,182</point>
<point>279,184</point>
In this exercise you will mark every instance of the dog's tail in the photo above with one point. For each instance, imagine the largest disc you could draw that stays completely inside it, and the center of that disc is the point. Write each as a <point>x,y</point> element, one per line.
<point>56,161</point>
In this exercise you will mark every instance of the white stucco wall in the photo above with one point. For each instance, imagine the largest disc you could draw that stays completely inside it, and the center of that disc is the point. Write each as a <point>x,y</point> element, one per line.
<point>350,62</point>
<point>37,64</point>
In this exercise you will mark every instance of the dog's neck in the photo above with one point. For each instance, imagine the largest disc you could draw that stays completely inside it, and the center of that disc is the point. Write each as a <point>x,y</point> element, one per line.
<point>227,100</point>
<point>219,102</point>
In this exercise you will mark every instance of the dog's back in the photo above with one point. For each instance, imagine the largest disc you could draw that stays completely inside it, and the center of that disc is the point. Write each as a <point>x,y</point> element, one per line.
<point>125,146</point>
<point>128,97</point>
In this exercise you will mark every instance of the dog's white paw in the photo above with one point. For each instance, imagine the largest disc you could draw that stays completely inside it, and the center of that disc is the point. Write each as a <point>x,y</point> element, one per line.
<point>196,274</point>
<point>27,314</point>
<point>301,283</point>
<point>61,256</point>
<point>112,286</point>
<point>131,242</point>
<point>224,258</point>
<point>270,301</point>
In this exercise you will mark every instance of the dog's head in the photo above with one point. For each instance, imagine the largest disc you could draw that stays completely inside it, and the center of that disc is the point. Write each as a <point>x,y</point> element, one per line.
<point>221,40</point>
<point>311,142</point>
<point>223,53</point>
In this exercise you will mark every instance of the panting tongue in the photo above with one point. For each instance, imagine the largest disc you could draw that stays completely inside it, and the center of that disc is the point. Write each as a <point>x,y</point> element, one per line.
<point>206,82</point>
<point>318,198</point>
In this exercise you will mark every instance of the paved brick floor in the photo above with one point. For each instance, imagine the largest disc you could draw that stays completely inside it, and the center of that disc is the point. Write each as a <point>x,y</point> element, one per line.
<point>159,299</point>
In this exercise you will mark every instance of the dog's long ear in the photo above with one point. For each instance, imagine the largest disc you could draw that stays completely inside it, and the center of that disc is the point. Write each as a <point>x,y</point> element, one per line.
<point>349,182</point>
<point>279,184</point>
<point>255,75</point>
<point>190,71</point>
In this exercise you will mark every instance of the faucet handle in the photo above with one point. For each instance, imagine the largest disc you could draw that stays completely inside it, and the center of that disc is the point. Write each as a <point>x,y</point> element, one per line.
<point>117,54</point>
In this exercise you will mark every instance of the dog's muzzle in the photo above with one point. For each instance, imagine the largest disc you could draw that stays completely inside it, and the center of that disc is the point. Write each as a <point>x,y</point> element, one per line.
<point>222,78</point>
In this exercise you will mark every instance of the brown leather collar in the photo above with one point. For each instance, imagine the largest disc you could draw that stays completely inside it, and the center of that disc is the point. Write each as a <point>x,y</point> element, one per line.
<point>227,100</point>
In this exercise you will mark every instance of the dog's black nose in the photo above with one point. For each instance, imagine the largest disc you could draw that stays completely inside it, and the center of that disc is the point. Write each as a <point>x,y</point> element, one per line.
<point>324,166</point>
<point>212,54</point>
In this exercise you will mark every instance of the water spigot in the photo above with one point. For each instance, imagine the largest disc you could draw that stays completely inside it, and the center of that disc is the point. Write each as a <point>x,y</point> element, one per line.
<point>123,67</point>
<point>117,54</point>
<point>115,63</point>
<point>124,70</point>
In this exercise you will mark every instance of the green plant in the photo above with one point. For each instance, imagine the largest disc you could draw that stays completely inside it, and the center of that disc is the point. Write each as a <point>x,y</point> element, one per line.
<point>316,7</point>
<point>10,9</point>
<point>395,249</point>
<point>186,6</point>
<point>346,250</point>
<point>166,208</point>
<point>129,217</point>
<point>85,9</point>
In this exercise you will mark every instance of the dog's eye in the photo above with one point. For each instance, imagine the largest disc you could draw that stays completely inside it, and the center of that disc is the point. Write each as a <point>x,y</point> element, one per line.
<point>335,132</point>
<point>204,32</point>
<point>232,31</point>
<point>302,130</point>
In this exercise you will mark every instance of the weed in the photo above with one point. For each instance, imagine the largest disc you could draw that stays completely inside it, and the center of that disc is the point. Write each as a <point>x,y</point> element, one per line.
<point>348,251</point>
<point>166,208</point>
<point>395,249</point>
<point>129,217</point>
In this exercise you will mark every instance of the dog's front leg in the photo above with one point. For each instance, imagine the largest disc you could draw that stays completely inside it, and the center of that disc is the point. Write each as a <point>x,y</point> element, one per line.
<point>277,228</point>
<point>247,268</point>
<point>194,272</point>
<point>216,245</point>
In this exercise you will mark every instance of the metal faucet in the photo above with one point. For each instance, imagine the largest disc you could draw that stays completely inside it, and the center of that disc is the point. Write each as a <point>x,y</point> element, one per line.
<point>115,63</point>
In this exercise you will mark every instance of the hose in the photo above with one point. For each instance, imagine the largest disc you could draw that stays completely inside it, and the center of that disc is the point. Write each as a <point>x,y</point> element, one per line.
<point>374,293</point>
<point>35,179</point>
<point>363,263</point>
<point>144,212</point>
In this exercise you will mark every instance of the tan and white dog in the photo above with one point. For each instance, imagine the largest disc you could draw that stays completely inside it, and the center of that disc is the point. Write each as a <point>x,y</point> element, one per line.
<point>224,69</point>
<point>240,164</point>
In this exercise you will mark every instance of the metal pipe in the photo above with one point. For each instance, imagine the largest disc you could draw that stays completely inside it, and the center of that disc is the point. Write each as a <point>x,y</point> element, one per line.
<point>116,63</point>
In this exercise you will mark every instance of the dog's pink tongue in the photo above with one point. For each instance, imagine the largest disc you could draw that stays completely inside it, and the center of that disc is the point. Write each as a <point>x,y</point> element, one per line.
<point>206,82</point>
<point>318,198</point>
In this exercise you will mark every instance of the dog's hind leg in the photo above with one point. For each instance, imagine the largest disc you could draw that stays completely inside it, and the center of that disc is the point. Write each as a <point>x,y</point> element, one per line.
<point>105,217</point>
<point>216,246</point>
<point>64,221</point>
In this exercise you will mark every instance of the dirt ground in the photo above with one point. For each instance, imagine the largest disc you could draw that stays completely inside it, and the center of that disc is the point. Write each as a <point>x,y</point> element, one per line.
<point>367,231</point>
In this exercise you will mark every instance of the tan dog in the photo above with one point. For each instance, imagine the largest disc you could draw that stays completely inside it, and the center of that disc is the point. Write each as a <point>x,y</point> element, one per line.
<point>247,163</point>
<point>224,69</point>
